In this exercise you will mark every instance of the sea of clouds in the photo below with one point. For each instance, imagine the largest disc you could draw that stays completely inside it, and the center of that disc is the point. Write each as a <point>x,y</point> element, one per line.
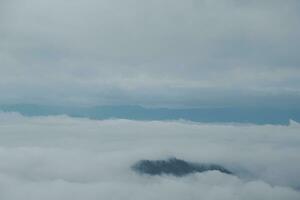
<point>64,158</point>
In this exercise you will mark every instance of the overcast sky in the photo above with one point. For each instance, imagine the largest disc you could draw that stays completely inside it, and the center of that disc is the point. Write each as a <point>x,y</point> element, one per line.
<point>172,53</point>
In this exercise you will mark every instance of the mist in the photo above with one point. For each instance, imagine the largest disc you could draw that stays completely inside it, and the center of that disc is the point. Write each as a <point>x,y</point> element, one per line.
<point>60,157</point>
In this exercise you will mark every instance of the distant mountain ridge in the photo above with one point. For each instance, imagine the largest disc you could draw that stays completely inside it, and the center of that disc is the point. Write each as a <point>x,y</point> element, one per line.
<point>215,115</point>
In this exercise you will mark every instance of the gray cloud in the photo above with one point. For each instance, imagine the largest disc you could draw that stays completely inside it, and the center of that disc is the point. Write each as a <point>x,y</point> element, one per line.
<point>68,158</point>
<point>96,52</point>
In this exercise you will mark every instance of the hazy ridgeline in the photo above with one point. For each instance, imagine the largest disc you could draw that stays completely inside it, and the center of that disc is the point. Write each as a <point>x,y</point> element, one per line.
<point>255,115</point>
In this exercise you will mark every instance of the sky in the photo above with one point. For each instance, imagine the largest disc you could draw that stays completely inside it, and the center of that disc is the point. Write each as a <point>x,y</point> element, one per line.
<point>160,53</point>
<point>64,158</point>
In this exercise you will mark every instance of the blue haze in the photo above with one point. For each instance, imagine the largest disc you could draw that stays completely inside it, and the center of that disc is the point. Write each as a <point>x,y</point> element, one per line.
<point>253,115</point>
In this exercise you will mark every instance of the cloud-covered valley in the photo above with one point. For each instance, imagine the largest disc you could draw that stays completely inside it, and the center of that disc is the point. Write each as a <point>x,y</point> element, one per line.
<point>95,63</point>
<point>75,158</point>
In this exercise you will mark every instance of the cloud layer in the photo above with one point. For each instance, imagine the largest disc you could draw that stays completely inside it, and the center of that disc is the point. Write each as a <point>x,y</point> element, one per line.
<point>72,158</point>
<point>157,52</point>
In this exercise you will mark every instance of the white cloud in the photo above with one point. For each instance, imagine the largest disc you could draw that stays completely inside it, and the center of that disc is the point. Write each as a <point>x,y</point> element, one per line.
<point>73,158</point>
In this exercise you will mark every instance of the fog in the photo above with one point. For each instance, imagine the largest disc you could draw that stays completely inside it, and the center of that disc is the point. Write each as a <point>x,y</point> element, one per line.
<point>75,158</point>
<point>197,60</point>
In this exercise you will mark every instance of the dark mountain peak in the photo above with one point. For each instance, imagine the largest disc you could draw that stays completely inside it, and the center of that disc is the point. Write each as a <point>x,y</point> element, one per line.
<point>174,166</point>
